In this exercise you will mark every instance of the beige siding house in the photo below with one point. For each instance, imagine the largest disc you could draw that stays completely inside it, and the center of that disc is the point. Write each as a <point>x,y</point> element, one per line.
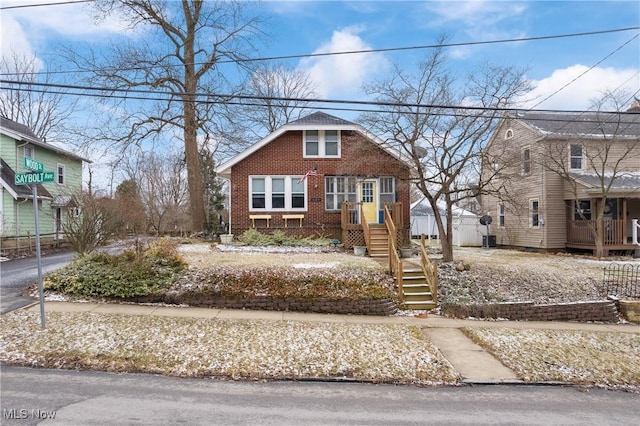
<point>558,181</point>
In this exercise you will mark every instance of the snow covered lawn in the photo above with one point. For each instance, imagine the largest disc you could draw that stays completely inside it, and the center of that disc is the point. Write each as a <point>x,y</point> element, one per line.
<point>238,349</point>
<point>590,358</point>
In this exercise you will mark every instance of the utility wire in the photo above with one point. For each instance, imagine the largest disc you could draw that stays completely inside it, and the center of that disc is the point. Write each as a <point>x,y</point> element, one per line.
<point>22,6</point>
<point>352,52</point>
<point>586,71</point>
<point>440,110</point>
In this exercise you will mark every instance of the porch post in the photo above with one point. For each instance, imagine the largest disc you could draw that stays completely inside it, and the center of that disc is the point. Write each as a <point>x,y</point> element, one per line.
<point>624,221</point>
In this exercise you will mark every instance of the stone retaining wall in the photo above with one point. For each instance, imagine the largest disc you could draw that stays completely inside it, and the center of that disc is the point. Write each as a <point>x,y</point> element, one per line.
<point>601,311</point>
<point>384,307</point>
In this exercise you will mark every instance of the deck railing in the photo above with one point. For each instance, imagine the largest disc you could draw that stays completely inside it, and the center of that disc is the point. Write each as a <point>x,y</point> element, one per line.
<point>365,230</point>
<point>395,266</point>
<point>350,214</point>
<point>429,269</point>
<point>582,232</point>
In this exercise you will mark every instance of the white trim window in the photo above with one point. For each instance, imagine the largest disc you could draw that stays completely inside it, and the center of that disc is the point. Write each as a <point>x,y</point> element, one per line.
<point>387,190</point>
<point>27,151</point>
<point>321,143</point>
<point>508,134</point>
<point>277,193</point>
<point>534,213</point>
<point>338,189</point>
<point>502,214</point>
<point>576,156</point>
<point>61,175</point>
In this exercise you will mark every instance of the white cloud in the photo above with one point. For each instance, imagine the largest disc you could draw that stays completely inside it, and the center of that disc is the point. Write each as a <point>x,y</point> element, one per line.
<point>14,39</point>
<point>478,18</point>
<point>341,76</point>
<point>579,94</point>
<point>70,20</point>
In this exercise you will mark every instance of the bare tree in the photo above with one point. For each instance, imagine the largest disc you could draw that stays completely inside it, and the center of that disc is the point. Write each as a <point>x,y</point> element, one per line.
<point>179,59</point>
<point>441,125</point>
<point>41,109</point>
<point>282,96</point>
<point>162,190</point>
<point>96,221</point>
<point>133,216</point>
<point>608,148</point>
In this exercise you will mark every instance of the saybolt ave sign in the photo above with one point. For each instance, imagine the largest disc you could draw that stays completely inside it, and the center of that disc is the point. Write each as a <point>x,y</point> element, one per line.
<point>29,178</point>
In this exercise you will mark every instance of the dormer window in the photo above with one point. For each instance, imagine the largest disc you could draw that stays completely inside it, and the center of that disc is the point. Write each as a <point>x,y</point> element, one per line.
<point>322,143</point>
<point>508,134</point>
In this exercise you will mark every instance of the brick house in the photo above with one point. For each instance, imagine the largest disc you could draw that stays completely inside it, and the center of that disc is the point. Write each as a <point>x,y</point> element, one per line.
<point>318,176</point>
<point>560,181</point>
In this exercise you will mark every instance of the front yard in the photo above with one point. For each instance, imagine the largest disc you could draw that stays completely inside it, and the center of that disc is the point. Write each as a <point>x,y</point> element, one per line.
<point>246,349</point>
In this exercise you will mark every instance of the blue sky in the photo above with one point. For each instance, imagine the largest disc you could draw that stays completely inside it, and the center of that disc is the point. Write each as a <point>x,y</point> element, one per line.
<point>586,65</point>
<point>300,27</point>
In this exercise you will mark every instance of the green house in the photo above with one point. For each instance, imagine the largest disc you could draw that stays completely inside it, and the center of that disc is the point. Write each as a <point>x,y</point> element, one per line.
<point>55,199</point>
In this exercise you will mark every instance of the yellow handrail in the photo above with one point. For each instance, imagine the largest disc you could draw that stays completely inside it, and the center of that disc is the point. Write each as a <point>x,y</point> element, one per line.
<point>394,260</point>
<point>429,269</point>
<point>365,229</point>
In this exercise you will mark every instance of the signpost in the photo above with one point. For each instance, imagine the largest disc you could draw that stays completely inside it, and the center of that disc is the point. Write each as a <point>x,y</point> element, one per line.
<point>33,179</point>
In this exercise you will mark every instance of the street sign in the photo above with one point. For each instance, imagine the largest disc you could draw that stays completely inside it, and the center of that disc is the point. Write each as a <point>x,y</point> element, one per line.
<point>29,178</point>
<point>31,164</point>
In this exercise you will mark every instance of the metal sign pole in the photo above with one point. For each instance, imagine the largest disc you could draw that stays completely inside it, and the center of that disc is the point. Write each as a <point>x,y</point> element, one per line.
<point>40,285</point>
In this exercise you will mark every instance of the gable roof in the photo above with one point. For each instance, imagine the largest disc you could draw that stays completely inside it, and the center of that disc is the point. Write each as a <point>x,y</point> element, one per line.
<point>22,133</point>
<point>581,124</point>
<point>315,121</point>
<point>321,119</point>
<point>422,207</point>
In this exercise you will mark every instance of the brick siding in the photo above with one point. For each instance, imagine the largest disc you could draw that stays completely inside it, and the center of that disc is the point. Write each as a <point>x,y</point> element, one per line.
<point>284,156</point>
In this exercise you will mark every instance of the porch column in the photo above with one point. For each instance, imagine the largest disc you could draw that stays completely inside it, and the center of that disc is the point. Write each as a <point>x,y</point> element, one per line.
<point>624,221</point>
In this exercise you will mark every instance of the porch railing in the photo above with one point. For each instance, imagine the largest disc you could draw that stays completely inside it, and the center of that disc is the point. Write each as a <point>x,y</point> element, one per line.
<point>350,213</point>
<point>395,267</point>
<point>429,269</point>
<point>365,229</point>
<point>583,232</point>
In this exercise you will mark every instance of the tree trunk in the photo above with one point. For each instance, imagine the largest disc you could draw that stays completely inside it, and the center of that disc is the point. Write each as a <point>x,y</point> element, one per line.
<point>194,175</point>
<point>192,155</point>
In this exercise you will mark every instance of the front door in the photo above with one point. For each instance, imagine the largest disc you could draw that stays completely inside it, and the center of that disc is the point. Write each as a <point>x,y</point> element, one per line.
<point>369,199</point>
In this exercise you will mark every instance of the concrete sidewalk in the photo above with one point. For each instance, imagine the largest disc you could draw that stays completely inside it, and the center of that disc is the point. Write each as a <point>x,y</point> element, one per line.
<point>471,361</point>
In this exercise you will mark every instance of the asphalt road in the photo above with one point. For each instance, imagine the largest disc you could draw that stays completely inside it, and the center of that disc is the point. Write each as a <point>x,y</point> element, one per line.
<point>17,274</point>
<point>96,398</point>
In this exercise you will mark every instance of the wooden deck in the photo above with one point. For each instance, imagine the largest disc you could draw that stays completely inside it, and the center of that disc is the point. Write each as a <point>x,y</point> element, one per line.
<point>580,235</point>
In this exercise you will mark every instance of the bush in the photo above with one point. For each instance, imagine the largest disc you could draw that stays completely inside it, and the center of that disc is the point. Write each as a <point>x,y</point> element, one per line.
<point>284,282</point>
<point>125,275</point>
<point>253,237</point>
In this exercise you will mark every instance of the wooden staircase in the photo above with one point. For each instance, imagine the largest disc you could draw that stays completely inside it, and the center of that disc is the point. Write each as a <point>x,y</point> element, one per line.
<point>378,244</point>
<point>417,283</point>
<point>416,290</point>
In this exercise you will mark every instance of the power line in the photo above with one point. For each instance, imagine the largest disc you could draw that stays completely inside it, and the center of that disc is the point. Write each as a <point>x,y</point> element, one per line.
<point>215,98</point>
<point>586,71</point>
<point>353,52</point>
<point>22,6</point>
